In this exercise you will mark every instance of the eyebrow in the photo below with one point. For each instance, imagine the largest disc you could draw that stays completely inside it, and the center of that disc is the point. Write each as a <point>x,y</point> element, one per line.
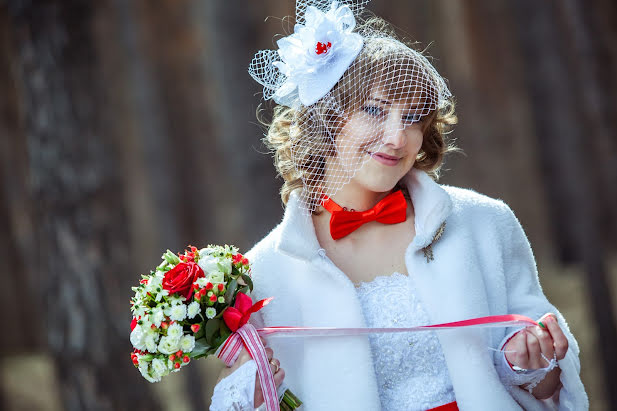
<point>389,103</point>
<point>380,101</point>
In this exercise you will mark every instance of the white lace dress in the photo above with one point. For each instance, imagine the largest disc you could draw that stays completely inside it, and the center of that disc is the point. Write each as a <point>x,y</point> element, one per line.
<point>410,367</point>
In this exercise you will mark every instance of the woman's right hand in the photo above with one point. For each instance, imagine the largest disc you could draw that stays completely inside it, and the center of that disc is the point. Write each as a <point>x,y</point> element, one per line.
<point>244,356</point>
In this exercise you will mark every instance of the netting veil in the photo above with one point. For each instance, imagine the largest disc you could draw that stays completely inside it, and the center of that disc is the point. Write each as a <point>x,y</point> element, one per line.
<point>331,70</point>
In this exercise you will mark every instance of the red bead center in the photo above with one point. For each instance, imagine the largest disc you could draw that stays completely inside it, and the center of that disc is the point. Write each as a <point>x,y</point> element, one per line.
<point>322,47</point>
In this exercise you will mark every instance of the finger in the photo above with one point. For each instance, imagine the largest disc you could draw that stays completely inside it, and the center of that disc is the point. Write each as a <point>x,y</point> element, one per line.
<point>243,357</point>
<point>516,350</point>
<point>279,377</point>
<point>275,365</point>
<point>269,353</point>
<point>263,341</point>
<point>533,348</point>
<point>546,343</point>
<point>560,342</point>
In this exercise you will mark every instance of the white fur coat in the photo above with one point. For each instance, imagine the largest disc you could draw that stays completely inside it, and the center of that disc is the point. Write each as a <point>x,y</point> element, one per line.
<point>483,265</point>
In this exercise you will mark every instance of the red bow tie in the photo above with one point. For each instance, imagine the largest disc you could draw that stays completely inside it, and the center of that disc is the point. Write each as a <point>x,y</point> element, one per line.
<point>391,210</point>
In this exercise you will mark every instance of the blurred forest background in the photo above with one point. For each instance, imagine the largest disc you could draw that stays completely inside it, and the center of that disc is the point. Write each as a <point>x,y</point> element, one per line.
<point>128,127</point>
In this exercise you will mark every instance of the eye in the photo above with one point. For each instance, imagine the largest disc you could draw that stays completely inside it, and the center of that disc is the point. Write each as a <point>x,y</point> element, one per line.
<point>413,118</point>
<point>374,111</point>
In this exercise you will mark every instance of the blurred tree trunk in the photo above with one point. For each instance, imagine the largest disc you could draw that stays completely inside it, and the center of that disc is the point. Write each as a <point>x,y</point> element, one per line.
<point>569,127</point>
<point>77,196</point>
<point>17,241</point>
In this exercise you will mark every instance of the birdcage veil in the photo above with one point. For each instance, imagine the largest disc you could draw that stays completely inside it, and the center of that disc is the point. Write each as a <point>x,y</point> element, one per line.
<point>325,72</point>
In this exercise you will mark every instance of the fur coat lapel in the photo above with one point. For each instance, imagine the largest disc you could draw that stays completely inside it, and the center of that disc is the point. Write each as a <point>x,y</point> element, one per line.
<point>328,298</point>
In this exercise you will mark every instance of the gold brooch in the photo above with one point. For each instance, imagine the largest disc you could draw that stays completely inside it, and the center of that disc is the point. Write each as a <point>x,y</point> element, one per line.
<point>428,250</point>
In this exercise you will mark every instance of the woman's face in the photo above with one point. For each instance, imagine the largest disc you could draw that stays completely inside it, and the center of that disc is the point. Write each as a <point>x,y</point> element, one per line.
<point>384,135</point>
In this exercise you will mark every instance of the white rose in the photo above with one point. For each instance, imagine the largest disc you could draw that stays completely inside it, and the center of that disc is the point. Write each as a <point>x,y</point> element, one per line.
<point>168,345</point>
<point>137,338</point>
<point>175,331</point>
<point>208,263</point>
<point>178,312</point>
<point>216,277</point>
<point>187,343</point>
<point>225,265</point>
<point>193,309</point>
<point>205,252</point>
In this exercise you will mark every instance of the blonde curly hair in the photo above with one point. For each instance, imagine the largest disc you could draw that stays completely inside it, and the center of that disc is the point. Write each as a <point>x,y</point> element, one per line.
<point>292,130</point>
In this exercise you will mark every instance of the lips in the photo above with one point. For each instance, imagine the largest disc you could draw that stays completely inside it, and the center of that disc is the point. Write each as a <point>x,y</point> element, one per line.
<point>385,159</point>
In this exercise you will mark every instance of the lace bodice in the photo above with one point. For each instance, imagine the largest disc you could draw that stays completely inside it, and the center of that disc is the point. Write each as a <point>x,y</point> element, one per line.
<point>411,370</point>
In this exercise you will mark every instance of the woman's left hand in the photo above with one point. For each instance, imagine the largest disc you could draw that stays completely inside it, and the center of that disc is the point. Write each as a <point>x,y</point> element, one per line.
<point>532,348</point>
<point>526,348</point>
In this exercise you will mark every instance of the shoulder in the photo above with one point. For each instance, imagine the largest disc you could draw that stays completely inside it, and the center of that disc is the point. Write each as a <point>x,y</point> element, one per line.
<point>473,206</point>
<point>265,248</point>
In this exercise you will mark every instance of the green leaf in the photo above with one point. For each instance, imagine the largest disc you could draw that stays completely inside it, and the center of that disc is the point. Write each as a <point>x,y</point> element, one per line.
<point>201,348</point>
<point>231,288</point>
<point>212,326</point>
<point>201,331</point>
<point>248,280</point>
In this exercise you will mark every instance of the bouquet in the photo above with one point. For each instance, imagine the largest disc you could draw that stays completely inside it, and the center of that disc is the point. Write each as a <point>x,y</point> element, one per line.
<point>188,308</point>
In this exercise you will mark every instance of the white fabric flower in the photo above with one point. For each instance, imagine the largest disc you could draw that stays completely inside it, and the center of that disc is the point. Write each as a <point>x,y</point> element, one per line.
<point>168,345</point>
<point>175,331</point>
<point>193,309</point>
<point>187,343</point>
<point>315,57</point>
<point>178,312</point>
<point>210,312</point>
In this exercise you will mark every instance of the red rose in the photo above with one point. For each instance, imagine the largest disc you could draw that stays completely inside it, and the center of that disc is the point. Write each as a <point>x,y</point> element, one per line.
<point>180,279</point>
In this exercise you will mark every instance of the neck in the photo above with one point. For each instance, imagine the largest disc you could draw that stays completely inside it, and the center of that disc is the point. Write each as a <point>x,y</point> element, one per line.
<point>357,198</point>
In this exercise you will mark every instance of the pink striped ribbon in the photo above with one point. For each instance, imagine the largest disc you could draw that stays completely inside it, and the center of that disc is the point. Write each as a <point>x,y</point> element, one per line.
<point>248,337</point>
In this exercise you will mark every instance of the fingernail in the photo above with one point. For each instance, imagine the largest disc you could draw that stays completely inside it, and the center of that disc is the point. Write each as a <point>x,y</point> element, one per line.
<point>541,324</point>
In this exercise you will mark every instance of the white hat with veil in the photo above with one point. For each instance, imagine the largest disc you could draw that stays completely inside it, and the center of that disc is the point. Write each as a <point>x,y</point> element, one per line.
<point>324,72</point>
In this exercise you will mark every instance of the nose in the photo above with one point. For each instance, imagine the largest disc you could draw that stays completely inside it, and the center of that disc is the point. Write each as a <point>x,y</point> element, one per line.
<point>394,133</point>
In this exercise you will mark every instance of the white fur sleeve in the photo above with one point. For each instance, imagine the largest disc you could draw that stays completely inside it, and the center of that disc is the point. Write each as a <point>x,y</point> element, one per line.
<point>525,297</point>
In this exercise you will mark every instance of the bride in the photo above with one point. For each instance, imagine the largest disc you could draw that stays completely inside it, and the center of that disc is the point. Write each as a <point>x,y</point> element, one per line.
<point>370,239</point>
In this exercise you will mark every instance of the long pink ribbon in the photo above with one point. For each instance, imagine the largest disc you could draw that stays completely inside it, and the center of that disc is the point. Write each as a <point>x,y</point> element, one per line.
<point>508,320</point>
<point>248,337</point>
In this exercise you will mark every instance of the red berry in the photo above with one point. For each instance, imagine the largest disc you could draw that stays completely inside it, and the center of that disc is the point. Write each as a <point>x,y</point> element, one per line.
<point>195,328</point>
<point>221,287</point>
<point>195,286</point>
<point>172,357</point>
<point>179,353</point>
<point>164,325</point>
<point>213,298</point>
<point>245,261</point>
<point>186,359</point>
<point>177,365</point>
<point>153,327</point>
<point>209,286</point>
